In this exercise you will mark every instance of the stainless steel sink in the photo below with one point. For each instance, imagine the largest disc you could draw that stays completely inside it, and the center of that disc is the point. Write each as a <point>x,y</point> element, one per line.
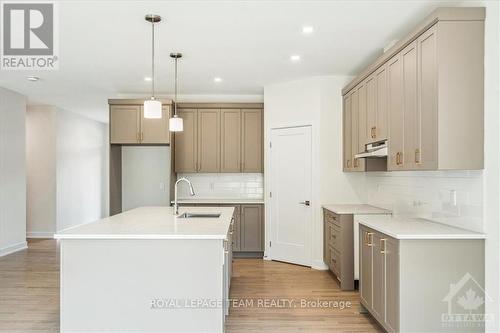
<point>199,215</point>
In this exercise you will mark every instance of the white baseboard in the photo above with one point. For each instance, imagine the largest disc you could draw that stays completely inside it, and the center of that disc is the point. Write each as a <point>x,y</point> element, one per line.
<point>319,265</point>
<point>13,248</point>
<point>40,234</point>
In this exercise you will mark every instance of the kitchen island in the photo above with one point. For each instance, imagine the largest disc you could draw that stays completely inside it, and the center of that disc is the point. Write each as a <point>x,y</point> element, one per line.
<point>146,270</point>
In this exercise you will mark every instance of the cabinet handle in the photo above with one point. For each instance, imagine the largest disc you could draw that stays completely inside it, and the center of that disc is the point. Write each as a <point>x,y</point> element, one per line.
<point>348,163</point>
<point>369,236</point>
<point>355,162</point>
<point>142,136</point>
<point>383,249</point>
<point>417,156</point>
<point>397,158</point>
<point>375,132</point>
<point>138,137</point>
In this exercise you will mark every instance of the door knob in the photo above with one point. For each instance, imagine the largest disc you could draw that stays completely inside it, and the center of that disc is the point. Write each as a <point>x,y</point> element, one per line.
<point>306,203</point>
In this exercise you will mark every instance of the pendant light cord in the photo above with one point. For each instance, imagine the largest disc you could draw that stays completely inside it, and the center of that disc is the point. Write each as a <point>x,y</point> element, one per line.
<point>175,93</point>
<point>153,60</point>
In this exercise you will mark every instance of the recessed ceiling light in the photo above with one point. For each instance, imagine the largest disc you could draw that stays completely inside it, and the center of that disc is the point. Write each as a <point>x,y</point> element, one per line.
<point>306,30</point>
<point>33,78</point>
<point>295,58</point>
<point>217,79</point>
<point>147,79</point>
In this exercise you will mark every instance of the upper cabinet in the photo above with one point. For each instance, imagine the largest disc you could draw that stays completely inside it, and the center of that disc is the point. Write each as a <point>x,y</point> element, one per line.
<point>252,140</point>
<point>128,125</point>
<point>425,96</point>
<point>220,140</point>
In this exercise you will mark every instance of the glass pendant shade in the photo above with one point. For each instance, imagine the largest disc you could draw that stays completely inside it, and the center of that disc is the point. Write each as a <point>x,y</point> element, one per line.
<point>152,109</point>
<point>175,124</point>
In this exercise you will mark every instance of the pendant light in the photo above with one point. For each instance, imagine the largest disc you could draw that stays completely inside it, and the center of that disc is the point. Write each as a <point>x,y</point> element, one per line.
<point>175,123</point>
<point>152,107</point>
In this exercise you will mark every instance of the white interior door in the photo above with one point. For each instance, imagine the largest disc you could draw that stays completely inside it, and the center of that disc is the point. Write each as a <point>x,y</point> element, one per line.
<point>291,212</point>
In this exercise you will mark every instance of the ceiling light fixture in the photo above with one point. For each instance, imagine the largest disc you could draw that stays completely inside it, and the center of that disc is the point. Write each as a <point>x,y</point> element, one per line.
<point>295,58</point>
<point>33,78</point>
<point>147,79</point>
<point>306,30</point>
<point>152,107</point>
<point>217,79</point>
<point>175,124</point>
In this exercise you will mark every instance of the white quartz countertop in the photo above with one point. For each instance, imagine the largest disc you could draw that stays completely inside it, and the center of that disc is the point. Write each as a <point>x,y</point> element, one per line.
<point>356,209</point>
<point>220,201</point>
<point>414,228</point>
<point>154,223</point>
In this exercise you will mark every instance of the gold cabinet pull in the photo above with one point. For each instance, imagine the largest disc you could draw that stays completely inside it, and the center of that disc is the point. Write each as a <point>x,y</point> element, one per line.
<point>397,158</point>
<point>356,162</point>
<point>138,137</point>
<point>417,156</point>
<point>383,249</point>
<point>348,163</point>
<point>374,132</point>
<point>369,236</point>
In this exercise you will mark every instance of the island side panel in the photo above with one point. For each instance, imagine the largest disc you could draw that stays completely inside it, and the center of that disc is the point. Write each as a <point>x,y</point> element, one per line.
<point>114,285</point>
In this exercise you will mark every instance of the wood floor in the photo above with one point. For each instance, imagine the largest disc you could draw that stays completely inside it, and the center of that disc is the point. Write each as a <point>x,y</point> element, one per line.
<point>29,296</point>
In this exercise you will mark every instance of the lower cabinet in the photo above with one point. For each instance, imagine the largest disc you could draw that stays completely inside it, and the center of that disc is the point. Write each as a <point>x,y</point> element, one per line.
<point>379,280</point>
<point>404,283</point>
<point>248,233</point>
<point>251,228</point>
<point>338,247</point>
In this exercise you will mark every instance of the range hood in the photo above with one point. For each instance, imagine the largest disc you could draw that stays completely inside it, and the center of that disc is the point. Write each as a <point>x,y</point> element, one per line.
<point>374,150</point>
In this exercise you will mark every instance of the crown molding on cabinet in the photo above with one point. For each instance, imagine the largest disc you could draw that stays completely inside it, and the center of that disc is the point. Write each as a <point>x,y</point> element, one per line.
<point>440,14</point>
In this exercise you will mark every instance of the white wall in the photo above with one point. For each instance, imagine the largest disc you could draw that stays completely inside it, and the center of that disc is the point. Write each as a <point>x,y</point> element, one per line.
<point>81,155</point>
<point>12,172</point>
<point>41,171</point>
<point>145,176</point>
<point>491,179</point>
<point>313,101</point>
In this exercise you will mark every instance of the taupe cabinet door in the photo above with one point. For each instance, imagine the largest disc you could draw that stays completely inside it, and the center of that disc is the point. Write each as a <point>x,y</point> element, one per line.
<point>378,270</point>
<point>354,129</point>
<point>209,140</point>
<point>411,129</point>
<point>125,123</point>
<point>186,142</point>
<point>251,224</point>
<point>156,130</point>
<point>380,130</point>
<point>396,116</point>
<point>361,129</point>
<point>237,229</point>
<point>252,141</point>
<point>425,150</point>
<point>365,265</point>
<point>371,108</point>
<point>391,284</point>
<point>231,142</point>
<point>347,133</point>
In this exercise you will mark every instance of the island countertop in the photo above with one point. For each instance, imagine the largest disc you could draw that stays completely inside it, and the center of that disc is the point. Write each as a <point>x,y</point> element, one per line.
<point>154,223</point>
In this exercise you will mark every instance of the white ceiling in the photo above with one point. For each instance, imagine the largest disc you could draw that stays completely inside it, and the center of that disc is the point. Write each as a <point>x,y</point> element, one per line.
<point>105,46</point>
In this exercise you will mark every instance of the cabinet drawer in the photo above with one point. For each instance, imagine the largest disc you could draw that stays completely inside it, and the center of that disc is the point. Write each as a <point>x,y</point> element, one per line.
<point>332,217</point>
<point>335,262</point>
<point>335,239</point>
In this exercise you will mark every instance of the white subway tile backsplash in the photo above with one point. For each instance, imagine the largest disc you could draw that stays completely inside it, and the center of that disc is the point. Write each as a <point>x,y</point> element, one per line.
<point>451,197</point>
<point>224,185</point>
